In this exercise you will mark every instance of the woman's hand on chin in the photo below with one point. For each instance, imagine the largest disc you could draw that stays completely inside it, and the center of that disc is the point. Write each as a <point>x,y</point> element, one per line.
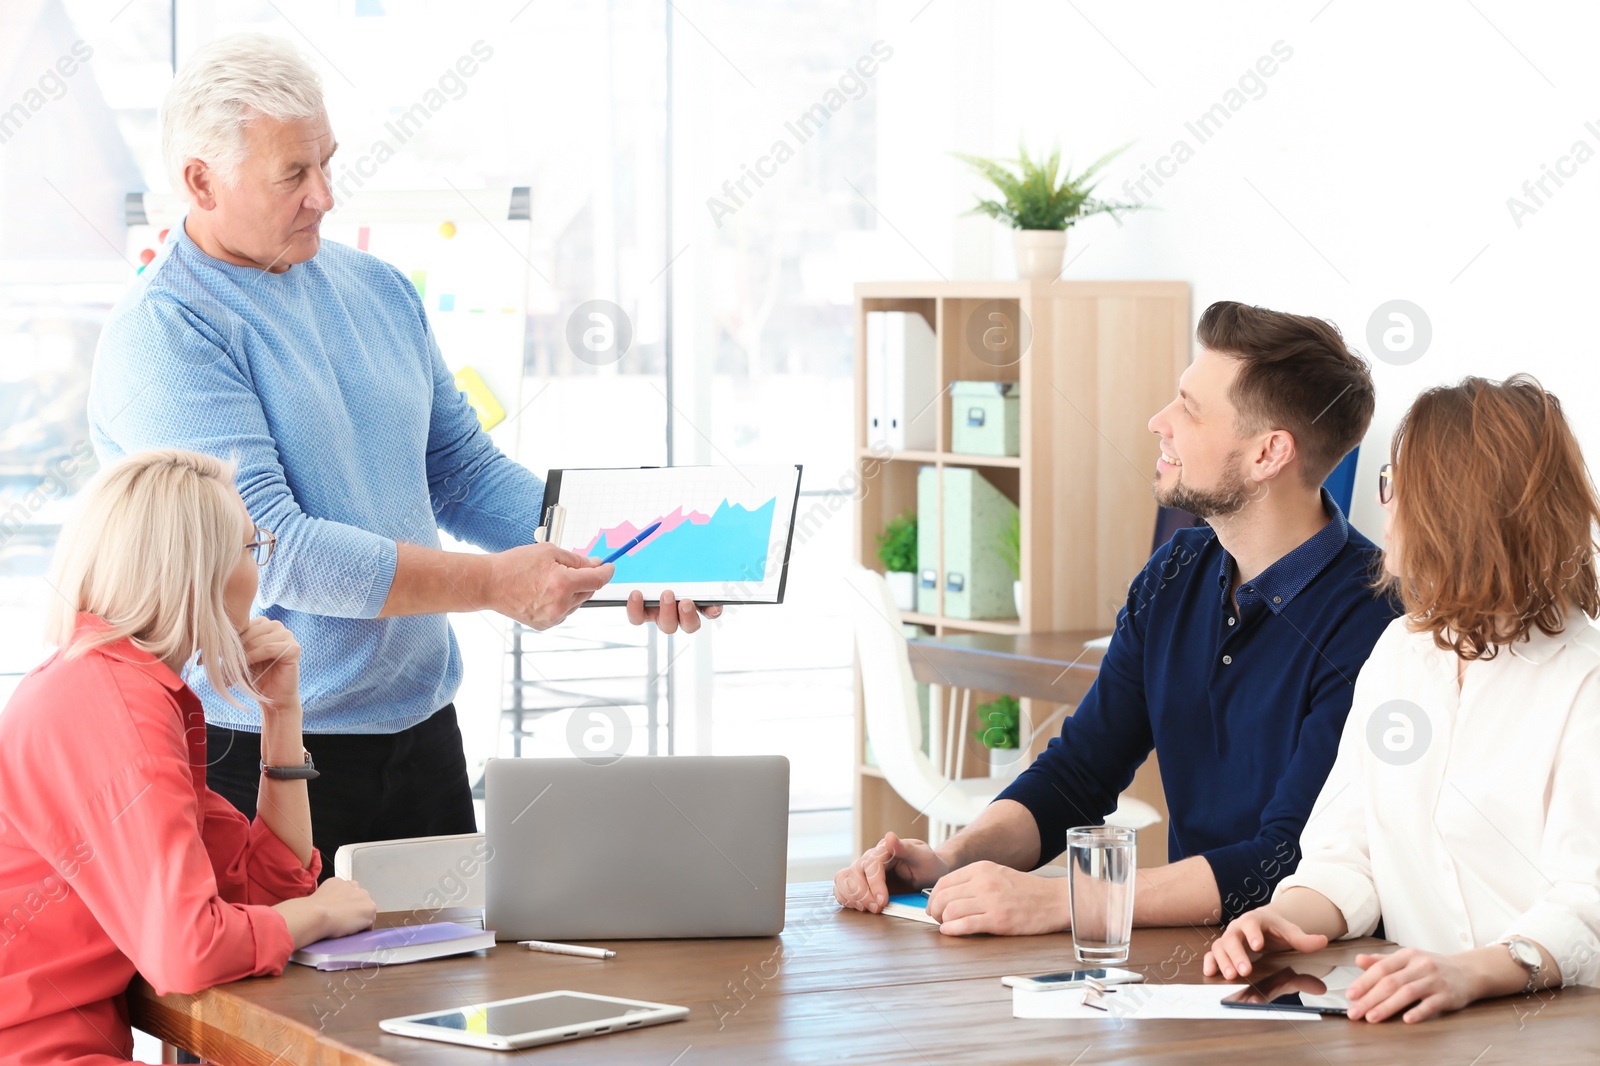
<point>273,656</point>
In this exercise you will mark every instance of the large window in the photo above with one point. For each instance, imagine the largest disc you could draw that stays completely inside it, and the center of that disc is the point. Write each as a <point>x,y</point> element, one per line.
<point>645,132</point>
<point>775,139</point>
<point>77,130</point>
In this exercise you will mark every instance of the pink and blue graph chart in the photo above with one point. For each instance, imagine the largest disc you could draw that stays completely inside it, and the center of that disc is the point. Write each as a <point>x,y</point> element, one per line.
<point>730,544</point>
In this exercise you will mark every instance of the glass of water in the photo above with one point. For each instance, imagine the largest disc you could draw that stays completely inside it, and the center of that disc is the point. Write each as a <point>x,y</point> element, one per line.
<point>1100,875</point>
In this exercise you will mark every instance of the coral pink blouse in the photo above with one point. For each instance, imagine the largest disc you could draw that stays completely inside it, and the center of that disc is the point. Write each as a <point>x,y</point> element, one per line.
<point>115,857</point>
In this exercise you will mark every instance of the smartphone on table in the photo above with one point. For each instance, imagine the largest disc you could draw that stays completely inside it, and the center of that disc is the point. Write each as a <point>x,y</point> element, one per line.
<point>1294,990</point>
<point>1106,975</point>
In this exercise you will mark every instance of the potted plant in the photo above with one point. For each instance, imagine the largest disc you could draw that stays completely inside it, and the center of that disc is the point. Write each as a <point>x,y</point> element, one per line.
<point>1011,553</point>
<point>897,550</point>
<point>1000,730</point>
<point>1041,207</point>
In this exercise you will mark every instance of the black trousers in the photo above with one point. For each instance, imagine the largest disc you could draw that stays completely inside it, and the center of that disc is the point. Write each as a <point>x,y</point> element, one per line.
<point>373,786</point>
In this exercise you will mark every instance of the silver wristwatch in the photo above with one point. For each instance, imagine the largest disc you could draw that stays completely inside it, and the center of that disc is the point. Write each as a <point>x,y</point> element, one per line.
<point>1526,954</point>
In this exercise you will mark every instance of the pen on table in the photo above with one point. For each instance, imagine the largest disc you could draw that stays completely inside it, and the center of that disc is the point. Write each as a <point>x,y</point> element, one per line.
<point>632,544</point>
<point>568,949</point>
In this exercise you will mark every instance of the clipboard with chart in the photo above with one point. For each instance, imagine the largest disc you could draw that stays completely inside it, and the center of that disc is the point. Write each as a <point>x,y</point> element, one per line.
<point>713,534</point>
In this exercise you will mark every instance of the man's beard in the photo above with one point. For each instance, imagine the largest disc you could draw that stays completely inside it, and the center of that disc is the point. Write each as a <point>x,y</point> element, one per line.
<point>1226,499</point>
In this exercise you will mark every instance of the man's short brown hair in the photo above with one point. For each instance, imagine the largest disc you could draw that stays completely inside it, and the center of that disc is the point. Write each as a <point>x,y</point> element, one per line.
<point>1296,374</point>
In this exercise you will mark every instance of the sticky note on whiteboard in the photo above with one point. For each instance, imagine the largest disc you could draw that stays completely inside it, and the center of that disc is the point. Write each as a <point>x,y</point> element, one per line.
<point>490,413</point>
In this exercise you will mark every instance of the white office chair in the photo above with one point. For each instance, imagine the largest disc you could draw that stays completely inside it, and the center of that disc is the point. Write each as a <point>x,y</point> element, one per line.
<point>894,725</point>
<point>442,875</point>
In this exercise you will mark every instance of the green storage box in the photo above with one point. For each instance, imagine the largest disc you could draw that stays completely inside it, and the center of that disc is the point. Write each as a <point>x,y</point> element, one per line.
<point>964,557</point>
<point>986,417</point>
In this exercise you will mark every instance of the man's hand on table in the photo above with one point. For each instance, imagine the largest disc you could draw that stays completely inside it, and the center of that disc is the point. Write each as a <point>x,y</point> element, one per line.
<point>985,897</point>
<point>893,866</point>
<point>981,897</point>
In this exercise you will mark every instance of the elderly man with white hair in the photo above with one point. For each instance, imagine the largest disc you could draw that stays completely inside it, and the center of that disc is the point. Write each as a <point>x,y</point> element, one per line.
<point>313,366</point>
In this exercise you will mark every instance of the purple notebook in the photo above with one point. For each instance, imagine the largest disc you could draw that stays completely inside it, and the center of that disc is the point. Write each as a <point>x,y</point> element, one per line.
<point>397,944</point>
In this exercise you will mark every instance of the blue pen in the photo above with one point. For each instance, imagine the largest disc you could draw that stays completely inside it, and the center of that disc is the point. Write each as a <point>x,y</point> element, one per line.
<point>632,544</point>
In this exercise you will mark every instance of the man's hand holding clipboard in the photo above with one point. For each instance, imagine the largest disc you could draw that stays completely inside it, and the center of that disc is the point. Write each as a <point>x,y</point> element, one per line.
<point>540,585</point>
<point>673,544</point>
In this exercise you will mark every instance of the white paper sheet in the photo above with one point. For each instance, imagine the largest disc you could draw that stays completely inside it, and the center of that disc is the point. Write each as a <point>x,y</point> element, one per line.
<point>1145,1001</point>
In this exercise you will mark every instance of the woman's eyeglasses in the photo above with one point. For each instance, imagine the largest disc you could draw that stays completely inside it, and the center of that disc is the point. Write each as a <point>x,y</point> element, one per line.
<point>1385,482</point>
<point>262,546</point>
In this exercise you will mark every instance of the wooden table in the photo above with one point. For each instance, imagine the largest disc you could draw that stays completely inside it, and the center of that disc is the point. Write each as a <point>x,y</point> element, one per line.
<point>837,985</point>
<point>1053,667</point>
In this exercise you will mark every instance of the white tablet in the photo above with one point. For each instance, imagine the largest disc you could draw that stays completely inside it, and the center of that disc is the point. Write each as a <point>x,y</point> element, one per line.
<point>547,1018</point>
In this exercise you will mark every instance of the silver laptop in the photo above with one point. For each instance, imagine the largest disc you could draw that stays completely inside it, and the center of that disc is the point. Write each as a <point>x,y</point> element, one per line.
<point>640,847</point>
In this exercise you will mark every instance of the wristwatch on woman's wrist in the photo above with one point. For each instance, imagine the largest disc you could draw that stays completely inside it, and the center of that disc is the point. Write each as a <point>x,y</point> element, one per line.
<point>1527,955</point>
<point>304,772</point>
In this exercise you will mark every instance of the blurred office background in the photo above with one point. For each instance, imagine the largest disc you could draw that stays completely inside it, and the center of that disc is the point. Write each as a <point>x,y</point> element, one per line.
<point>1440,153</point>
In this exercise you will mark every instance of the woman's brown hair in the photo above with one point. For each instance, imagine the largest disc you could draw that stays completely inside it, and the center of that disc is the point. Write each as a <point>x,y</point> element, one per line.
<point>1496,515</point>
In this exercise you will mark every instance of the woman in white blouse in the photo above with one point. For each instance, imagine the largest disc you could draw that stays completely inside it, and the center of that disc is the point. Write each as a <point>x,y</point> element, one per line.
<point>1464,806</point>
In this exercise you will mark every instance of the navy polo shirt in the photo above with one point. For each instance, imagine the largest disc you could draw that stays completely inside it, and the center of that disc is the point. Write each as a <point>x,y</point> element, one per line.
<point>1243,707</point>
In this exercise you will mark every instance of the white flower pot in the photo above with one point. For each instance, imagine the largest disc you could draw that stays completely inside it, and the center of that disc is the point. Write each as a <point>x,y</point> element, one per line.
<point>1005,763</point>
<point>1016,595</point>
<point>903,584</point>
<point>1039,253</point>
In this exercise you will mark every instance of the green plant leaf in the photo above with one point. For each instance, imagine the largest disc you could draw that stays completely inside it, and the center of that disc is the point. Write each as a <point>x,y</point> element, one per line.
<point>1039,194</point>
<point>897,544</point>
<point>1000,723</point>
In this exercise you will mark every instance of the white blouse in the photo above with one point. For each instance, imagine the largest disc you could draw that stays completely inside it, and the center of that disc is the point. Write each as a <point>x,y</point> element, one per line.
<point>1465,817</point>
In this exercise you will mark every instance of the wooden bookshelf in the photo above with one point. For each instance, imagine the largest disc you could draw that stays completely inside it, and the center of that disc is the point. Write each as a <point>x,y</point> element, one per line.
<point>1103,357</point>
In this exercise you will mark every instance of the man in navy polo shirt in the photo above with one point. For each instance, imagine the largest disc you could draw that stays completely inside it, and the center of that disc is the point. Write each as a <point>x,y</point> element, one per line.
<point>1234,658</point>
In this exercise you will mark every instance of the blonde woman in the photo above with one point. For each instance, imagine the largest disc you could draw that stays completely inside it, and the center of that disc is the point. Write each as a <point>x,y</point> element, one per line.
<point>1461,809</point>
<point>114,855</point>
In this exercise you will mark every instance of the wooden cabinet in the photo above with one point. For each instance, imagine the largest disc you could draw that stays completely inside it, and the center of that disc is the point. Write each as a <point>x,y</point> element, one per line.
<point>1095,360</point>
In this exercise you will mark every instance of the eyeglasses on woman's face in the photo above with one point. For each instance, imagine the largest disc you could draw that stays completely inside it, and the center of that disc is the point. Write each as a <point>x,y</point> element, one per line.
<point>1385,483</point>
<point>261,547</point>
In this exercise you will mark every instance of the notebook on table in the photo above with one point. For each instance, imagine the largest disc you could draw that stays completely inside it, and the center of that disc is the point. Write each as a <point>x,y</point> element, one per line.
<point>397,944</point>
<point>913,905</point>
